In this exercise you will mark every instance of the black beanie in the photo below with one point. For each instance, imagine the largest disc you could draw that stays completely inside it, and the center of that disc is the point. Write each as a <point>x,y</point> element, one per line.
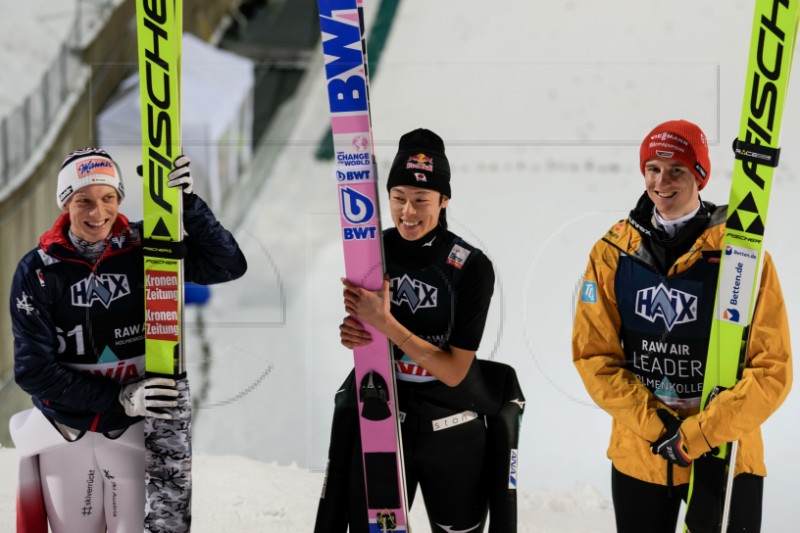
<point>420,162</point>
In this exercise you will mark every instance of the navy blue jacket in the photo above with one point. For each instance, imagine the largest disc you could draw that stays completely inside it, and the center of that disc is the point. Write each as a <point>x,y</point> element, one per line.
<point>79,328</point>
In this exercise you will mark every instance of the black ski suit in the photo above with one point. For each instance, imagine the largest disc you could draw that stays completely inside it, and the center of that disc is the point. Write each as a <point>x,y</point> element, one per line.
<point>459,443</point>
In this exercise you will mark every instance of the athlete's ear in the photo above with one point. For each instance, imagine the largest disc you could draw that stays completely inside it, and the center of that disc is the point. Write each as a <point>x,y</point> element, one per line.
<point>445,200</point>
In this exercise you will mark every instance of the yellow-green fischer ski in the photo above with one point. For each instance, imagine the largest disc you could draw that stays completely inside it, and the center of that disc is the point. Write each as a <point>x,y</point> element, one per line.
<point>159,33</point>
<point>168,458</point>
<point>756,150</point>
<point>768,76</point>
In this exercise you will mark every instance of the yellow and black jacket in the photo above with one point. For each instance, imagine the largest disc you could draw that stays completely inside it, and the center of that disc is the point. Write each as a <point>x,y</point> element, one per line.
<point>641,335</point>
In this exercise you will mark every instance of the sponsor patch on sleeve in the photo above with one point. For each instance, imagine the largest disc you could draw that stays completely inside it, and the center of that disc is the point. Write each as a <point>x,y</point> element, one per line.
<point>513,465</point>
<point>589,292</point>
<point>458,256</point>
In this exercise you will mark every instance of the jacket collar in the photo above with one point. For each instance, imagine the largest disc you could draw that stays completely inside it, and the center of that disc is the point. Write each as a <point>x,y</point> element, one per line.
<point>55,241</point>
<point>703,233</point>
<point>707,216</point>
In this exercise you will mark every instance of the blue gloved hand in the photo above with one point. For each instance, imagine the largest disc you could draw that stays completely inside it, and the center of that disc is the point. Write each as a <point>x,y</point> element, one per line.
<point>670,445</point>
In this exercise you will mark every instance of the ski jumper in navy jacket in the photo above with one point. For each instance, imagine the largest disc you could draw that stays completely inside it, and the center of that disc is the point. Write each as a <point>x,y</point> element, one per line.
<point>79,328</point>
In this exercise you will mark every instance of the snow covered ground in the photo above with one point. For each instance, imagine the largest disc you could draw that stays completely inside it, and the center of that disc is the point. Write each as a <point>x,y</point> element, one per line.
<point>542,107</point>
<point>234,494</point>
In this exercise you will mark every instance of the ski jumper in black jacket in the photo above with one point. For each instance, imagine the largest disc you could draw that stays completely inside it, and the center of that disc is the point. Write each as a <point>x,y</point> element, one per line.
<point>440,288</point>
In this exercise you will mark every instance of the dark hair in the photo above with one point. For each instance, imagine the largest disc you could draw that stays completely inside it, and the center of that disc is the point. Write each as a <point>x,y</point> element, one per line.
<point>442,213</point>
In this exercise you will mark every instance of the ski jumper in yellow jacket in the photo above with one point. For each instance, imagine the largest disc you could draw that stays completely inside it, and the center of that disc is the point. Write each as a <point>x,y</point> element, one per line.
<point>640,340</point>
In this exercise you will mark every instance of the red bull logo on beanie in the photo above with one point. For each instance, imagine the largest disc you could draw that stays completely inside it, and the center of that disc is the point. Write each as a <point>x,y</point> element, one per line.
<point>420,162</point>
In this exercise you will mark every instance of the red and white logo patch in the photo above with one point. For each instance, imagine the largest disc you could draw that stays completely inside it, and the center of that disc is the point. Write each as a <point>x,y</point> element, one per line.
<point>162,316</point>
<point>458,256</point>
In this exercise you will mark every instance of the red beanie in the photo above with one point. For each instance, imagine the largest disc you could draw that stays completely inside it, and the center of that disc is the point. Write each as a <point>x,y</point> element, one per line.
<point>680,140</point>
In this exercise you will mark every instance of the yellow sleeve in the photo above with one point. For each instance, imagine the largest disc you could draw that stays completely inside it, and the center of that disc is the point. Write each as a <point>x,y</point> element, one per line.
<point>766,378</point>
<point>597,351</point>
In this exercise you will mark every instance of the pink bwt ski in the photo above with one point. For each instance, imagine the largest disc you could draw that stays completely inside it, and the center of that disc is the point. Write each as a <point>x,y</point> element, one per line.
<point>341,23</point>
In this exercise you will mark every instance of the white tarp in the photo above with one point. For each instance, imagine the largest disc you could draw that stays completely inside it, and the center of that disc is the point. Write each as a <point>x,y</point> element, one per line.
<point>216,117</point>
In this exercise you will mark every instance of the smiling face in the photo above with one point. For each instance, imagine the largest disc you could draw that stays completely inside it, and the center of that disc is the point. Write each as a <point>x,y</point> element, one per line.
<point>92,212</point>
<point>672,187</point>
<point>415,211</point>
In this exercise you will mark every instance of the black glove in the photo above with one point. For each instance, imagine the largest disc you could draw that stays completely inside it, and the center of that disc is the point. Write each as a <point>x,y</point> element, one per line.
<point>670,446</point>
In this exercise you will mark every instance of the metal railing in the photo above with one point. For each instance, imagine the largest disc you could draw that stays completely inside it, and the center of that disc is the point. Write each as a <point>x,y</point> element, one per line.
<point>24,127</point>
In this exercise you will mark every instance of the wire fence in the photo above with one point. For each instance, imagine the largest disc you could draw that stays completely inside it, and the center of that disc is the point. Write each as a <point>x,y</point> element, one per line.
<point>23,128</point>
